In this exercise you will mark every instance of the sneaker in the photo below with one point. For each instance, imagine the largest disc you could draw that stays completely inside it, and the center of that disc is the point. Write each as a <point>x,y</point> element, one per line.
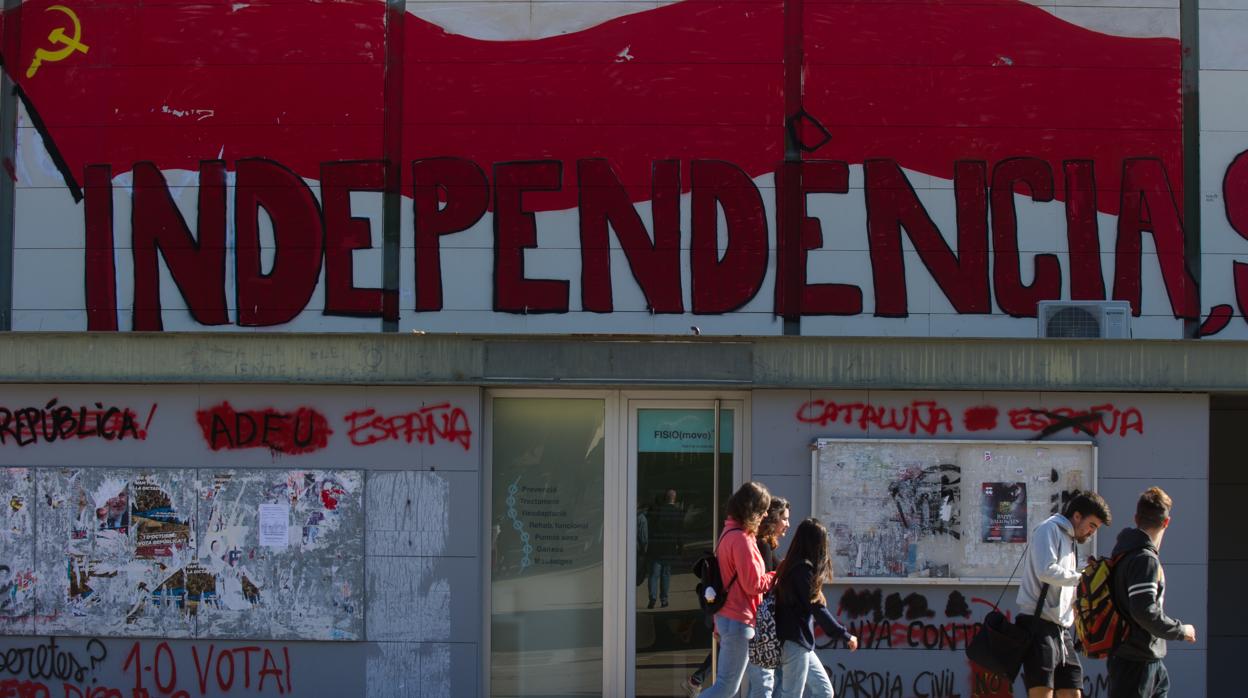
<point>692,688</point>
<point>651,604</point>
<point>663,603</point>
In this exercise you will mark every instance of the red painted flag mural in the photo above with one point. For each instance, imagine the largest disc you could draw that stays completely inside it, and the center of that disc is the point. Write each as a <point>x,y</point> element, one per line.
<point>867,168</point>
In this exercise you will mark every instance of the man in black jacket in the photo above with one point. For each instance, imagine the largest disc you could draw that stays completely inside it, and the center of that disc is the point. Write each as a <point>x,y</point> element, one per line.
<point>667,522</point>
<point>1135,667</point>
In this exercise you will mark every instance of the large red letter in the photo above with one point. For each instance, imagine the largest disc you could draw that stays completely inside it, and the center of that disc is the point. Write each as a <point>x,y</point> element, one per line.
<point>196,263</point>
<point>276,297</point>
<point>1082,235</point>
<point>466,192</point>
<point>797,234</point>
<point>1013,296</point>
<point>345,233</point>
<point>970,193</point>
<point>721,284</point>
<point>1235,200</point>
<point>101,281</point>
<point>1148,206</point>
<point>891,205</point>
<point>515,230</point>
<point>655,265</point>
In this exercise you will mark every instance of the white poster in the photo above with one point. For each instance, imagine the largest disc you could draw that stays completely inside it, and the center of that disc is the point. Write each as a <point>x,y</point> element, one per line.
<point>274,525</point>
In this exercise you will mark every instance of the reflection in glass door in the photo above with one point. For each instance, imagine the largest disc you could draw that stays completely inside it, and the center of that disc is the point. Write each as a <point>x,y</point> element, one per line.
<point>675,461</point>
<point>546,546</point>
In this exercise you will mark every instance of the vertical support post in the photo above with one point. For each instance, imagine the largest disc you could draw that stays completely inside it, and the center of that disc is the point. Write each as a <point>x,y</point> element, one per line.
<point>1189,57</point>
<point>8,149</point>
<point>392,150</point>
<point>791,201</point>
<point>714,516</point>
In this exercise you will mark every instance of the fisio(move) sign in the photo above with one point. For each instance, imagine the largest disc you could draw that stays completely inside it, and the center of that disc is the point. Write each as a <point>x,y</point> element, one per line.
<point>859,168</point>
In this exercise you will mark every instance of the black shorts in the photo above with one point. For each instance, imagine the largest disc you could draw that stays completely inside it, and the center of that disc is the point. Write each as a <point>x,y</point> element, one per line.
<point>1052,662</point>
<point>1128,679</point>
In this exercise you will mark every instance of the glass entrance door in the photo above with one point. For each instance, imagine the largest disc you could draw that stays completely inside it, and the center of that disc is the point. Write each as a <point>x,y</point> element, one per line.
<point>548,459</point>
<point>673,464</point>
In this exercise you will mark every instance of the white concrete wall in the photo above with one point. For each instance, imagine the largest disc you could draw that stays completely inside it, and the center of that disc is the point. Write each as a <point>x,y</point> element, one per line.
<point>1170,449</point>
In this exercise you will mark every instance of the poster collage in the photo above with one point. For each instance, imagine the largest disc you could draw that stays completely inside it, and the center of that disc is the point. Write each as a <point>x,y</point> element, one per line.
<point>182,552</point>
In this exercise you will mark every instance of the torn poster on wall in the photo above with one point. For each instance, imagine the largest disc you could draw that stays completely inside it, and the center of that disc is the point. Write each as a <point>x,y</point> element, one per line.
<point>17,552</point>
<point>176,553</point>
<point>111,545</point>
<point>308,589</point>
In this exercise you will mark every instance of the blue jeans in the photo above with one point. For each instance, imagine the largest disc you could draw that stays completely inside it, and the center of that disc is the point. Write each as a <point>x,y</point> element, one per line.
<point>734,655</point>
<point>660,579</point>
<point>762,681</point>
<point>800,669</point>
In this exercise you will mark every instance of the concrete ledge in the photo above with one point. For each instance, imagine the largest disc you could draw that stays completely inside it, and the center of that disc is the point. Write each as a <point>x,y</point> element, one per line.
<point>762,362</point>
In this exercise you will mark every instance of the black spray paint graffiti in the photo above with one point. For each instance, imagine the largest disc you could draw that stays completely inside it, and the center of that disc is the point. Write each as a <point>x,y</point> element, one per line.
<point>49,660</point>
<point>29,425</point>
<point>1079,423</point>
<point>1059,500</point>
<point>880,621</point>
<point>859,603</point>
<point>853,683</point>
<point>929,500</point>
<point>956,606</point>
<point>1096,686</point>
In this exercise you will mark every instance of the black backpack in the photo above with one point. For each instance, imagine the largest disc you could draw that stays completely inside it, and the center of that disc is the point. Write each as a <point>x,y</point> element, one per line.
<point>712,592</point>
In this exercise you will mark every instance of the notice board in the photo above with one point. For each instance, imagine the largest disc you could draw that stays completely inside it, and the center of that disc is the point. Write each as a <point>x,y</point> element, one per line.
<point>946,511</point>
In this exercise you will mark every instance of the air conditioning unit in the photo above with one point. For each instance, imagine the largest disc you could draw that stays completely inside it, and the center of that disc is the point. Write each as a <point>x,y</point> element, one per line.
<point>1072,319</point>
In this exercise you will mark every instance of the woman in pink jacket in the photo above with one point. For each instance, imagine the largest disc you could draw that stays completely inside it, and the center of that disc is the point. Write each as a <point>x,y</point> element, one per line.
<point>747,579</point>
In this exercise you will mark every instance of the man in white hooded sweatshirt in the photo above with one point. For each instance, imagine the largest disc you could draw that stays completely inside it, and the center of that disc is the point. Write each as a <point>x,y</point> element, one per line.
<point>1051,668</point>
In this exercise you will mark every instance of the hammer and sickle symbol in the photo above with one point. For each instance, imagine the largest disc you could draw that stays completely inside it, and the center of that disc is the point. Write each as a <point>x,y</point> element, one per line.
<point>58,37</point>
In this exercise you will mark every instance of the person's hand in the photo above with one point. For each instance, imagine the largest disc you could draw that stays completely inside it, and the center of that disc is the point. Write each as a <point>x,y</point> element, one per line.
<point>852,643</point>
<point>1189,633</point>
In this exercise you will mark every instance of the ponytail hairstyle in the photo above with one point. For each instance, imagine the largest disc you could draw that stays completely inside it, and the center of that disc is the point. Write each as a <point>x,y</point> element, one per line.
<point>809,546</point>
<point>748,505</point>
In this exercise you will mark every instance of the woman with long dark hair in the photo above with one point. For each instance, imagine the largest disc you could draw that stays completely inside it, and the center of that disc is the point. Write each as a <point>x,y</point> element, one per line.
<point>746,579</point>
<point>775,524</point>
<point>799,605</point>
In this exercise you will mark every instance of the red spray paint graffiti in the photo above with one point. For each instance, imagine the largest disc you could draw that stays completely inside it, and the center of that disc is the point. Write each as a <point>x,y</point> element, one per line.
<point>1099,419</point>
<point>929,417</point>
<point>216,668</point>
<point>428,425</point>
<point>985,684</point>
<point>306,430</point>
<point>301,431</point>
<point>982,418</point>
<point>13,688</point>
<point>920,416</point>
